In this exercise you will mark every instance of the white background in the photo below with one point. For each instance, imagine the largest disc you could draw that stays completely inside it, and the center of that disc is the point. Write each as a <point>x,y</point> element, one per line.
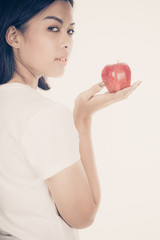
<point>126,135</point>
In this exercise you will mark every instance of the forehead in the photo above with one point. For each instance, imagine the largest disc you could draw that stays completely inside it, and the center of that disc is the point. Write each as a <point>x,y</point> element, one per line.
<point>59,8</point>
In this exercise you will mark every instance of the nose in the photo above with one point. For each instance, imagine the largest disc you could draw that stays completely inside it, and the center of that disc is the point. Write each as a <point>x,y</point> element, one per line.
<point>66,41</point>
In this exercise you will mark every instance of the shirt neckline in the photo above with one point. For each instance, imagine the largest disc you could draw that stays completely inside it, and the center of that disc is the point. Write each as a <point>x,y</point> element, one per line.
<point>18,84</point>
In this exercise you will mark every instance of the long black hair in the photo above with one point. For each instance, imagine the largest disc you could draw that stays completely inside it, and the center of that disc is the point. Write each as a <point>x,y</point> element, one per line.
<point>17,13</point>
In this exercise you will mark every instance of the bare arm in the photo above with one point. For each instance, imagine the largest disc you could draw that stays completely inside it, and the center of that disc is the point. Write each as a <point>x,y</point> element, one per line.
<point>76,190</point>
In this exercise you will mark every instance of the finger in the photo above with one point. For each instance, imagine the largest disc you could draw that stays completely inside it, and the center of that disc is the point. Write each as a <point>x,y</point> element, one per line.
<point>136,84</point>
<point>94,89</point>
<point>131,88</point>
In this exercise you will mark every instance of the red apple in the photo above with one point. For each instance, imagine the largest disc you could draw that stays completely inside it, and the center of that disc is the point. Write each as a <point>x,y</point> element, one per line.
<point>116,76</point>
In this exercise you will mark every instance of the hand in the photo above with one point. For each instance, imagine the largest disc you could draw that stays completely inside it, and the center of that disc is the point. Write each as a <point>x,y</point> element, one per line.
<point>88,103</point>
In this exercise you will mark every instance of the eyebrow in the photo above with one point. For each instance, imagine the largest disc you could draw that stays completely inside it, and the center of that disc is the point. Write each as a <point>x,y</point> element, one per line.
<point>57,19</point>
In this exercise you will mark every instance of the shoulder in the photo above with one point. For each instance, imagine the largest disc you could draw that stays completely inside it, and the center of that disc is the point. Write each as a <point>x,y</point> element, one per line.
<point>35,103</point>
<point>51,109</point>
<point>53,113</point>
<point>35,108</point>
<point>45,111</point>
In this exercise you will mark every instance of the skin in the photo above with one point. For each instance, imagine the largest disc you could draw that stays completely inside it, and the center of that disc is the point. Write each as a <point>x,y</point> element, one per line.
<point>34,60</point>
<point>36,50</point>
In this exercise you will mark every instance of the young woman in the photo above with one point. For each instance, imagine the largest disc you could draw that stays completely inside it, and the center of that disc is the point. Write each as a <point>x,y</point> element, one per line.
<point>48,180</point>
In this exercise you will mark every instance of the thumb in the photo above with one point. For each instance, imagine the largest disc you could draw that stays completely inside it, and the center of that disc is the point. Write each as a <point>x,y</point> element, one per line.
<point>94,89</point>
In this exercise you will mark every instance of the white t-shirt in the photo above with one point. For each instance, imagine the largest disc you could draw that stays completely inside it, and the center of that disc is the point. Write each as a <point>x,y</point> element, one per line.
<point>37,140</point>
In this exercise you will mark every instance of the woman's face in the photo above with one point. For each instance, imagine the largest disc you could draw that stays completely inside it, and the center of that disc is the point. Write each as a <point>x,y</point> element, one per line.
<point>47,43</point>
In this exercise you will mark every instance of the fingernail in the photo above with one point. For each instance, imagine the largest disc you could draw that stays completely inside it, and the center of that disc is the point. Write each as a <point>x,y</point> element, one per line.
<point>101,84</point>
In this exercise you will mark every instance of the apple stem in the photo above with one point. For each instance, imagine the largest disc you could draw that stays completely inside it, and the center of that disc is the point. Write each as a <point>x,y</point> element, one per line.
<point>117,61</point>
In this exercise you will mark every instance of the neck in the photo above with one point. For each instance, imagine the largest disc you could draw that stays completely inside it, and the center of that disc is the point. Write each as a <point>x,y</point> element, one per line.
<point>24,75</point>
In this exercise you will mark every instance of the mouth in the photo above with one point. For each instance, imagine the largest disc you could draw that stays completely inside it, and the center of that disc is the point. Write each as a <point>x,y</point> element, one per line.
<point>62,60</point>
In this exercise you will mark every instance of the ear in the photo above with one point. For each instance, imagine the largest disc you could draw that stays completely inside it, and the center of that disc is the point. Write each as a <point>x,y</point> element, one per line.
<point>12,37</point>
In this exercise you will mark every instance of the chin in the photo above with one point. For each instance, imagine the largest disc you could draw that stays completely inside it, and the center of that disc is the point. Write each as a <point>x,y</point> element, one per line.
<point>56,74</point>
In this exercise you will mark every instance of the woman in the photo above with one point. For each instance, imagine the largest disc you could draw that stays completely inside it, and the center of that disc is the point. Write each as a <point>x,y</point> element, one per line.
<point>49,186</point>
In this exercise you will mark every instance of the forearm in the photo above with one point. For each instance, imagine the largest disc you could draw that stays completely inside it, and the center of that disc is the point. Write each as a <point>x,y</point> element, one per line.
<point>88,160</point>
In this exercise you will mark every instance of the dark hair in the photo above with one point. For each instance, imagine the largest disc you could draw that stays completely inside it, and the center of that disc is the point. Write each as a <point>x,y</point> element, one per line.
<point>17,13</point>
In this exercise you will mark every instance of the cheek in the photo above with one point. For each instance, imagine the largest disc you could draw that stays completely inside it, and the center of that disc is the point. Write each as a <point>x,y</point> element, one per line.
<point>40,50</point>
<point>39,53</point>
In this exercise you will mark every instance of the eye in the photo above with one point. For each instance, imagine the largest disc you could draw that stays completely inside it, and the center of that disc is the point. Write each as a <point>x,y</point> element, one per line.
<point>70,31</point>
<point>54,29</point>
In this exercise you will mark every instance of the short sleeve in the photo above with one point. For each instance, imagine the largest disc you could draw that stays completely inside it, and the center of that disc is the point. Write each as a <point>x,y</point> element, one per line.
<point>50,141</point>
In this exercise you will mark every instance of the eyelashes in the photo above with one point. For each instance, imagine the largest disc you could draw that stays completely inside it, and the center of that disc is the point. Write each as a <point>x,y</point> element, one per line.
<point>72,31</point>
<point>56,29</point>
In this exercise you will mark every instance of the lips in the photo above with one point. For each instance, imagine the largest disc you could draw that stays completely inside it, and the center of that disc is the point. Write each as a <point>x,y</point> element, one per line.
<point>62,59</point>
